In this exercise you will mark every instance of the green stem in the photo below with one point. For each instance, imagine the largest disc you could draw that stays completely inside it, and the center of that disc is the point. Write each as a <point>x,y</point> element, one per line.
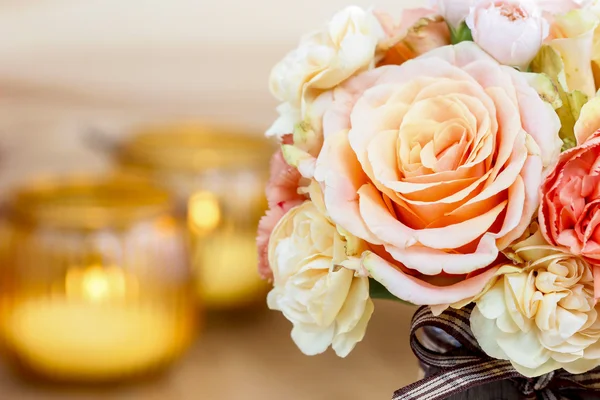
<point>461,34</point>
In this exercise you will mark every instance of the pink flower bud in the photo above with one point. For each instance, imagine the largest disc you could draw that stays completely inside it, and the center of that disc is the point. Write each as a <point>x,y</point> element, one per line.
<point>511,31</point>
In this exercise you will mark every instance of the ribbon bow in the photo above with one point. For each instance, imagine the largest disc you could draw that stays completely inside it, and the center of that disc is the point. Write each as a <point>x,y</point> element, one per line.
<point>463,365</point>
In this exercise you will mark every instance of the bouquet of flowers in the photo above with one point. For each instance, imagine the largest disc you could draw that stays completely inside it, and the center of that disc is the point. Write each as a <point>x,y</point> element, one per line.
<point>449,158</point>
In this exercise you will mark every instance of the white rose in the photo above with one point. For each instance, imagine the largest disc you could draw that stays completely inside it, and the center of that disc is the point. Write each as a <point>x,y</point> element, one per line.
<point>326,303</point>
<point>541,315</point>
<point>323,60</point>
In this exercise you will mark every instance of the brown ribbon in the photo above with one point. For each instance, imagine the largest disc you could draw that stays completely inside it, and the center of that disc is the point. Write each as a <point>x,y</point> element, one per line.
<point>463,365</point>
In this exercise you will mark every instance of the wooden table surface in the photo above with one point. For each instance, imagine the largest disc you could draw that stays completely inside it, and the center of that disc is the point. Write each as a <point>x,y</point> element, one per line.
<point>250,355</point>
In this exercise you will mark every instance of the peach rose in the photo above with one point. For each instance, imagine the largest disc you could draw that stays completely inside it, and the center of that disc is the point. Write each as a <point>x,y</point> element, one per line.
<point>438,161</point>
<point>570,210</point>
<point>282,195</point>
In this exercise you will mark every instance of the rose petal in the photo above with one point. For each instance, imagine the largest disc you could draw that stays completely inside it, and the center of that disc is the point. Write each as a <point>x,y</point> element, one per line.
<point>416,291</point>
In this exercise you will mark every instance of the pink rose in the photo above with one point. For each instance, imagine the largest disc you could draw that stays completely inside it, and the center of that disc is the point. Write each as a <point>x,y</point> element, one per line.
<point>438,161</point>
<point>569,215</point>
<point>511,31</point>
<point>282,195</point>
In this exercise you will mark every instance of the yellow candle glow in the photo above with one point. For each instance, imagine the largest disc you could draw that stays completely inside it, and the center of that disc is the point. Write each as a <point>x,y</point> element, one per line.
<point>228,274</point>
<point>225,257</point>
<point>93,332</point>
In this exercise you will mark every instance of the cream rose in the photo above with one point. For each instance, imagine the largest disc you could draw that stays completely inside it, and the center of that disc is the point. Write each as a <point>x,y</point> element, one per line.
<point>572,36</point>
<point>439,161</point>
<point>541,314</point>
<point>326,303</point>
<point>322,60</point>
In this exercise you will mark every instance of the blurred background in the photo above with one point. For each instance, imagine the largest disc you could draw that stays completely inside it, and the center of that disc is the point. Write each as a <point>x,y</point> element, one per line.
<point>122,126</point>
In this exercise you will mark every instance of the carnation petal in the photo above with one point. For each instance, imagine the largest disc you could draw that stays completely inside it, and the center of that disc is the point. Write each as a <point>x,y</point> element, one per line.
<point>524,350</point>
<point>492,305</point>
<point>485,331</point>
<point>581,366</point>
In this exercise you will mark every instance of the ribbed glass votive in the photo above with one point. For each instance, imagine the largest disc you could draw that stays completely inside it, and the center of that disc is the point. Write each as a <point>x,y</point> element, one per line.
<point>218,176</point>
<point>95,283</point>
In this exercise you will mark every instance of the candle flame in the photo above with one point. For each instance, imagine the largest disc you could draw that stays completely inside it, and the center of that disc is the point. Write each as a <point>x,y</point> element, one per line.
<point>97,284</point>
<point>204,212</point>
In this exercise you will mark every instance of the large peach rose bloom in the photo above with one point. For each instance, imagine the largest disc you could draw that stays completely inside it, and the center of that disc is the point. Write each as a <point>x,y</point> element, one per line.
<point>437,161</point>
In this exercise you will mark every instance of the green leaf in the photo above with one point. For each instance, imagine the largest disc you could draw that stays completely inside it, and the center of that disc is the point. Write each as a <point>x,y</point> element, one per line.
<point>547,90</point>
<point>461,34</point>
<point>549,62</point>
<point>378,291</point>
<point>569,114</point>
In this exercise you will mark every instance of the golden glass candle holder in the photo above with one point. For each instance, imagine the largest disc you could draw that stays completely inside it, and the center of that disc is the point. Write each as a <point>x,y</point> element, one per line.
<point>95,284</point>
<point>219,177</point>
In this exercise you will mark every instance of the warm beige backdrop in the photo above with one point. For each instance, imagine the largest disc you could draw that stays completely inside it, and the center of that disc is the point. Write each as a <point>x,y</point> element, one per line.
<point>191,56</point>
<point>66,65</point>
